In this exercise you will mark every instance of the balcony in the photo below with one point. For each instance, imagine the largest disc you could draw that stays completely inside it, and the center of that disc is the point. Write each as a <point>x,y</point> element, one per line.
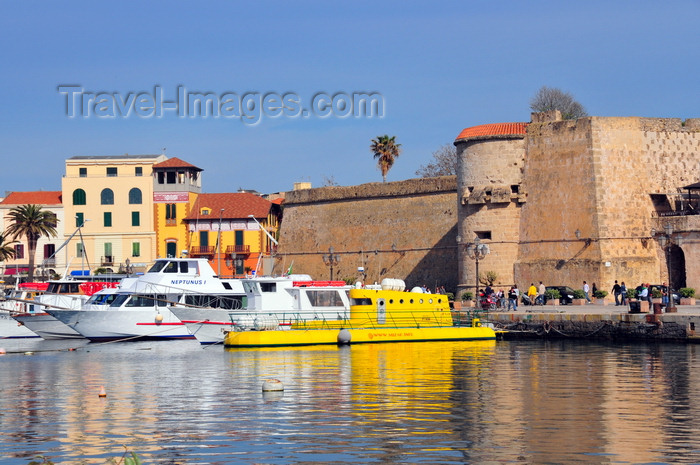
<point>202,251</point>
<point>238,249</point>
<point>107,260</point>
<point>48,262</point>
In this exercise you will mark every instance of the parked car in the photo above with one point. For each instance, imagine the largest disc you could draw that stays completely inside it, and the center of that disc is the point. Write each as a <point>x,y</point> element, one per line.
<point>567,294</point>
<point>662,288</point>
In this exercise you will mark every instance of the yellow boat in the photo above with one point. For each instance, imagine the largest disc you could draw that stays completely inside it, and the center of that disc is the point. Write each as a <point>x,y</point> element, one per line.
<point>376,315</point>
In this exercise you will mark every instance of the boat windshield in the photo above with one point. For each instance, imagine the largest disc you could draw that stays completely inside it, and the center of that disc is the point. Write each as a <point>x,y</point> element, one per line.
<point>157,266</point>
<point>325,298</point>
<point>119,300</point>
<point>361,301</point>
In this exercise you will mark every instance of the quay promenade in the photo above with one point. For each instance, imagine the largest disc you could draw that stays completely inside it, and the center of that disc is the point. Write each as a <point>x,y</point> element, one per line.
<point>597,322</point>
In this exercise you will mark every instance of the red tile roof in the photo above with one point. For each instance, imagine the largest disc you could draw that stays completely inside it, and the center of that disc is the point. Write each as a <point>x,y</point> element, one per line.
<point>238,205</point>
<point>497,129</point>
<point>175,163</point>
<point>33,198</point>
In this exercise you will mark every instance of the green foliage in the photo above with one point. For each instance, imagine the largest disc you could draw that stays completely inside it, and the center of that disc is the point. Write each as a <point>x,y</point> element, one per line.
<point>386,151</point>
<point>687,292</point>
<point>489,278</point>
<point>579,294</point>
<point>656,293</point>
<point>631,293</point>
<point>599,294</point>
<point>350,280</point>
<point>467,295</point>
<point>552,294</point>
<point>101,271</point>
<point>450,295</point>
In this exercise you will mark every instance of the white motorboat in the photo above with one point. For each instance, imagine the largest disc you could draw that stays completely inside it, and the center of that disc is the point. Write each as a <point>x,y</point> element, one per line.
<point>60,294</point>
<point>271,302</point>
<point>140,310</point>
<point>19,300</point>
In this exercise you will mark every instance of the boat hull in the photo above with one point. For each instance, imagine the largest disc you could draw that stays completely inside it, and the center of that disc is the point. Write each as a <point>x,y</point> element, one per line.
<point>207,325</point>
<point>11,329</point>
<point>296,337</point>
<point>107,325</point>
<point>47,327</point>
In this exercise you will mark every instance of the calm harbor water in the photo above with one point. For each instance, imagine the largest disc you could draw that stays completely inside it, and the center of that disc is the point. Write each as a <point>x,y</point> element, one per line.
<point>445,402</point>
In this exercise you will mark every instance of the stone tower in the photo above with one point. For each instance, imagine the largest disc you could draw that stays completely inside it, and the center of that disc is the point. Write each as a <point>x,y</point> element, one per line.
<point>490,197</point>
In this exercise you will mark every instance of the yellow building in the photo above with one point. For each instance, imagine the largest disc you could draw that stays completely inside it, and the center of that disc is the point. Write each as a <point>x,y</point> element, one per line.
<point>176,186</point>
<point>236,232</point>
<point>110,198</point>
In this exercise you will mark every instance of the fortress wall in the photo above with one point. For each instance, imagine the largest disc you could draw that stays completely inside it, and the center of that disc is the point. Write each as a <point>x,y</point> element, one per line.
<point>595,175</point>
<point>491,192</point>
<point>404,229</point>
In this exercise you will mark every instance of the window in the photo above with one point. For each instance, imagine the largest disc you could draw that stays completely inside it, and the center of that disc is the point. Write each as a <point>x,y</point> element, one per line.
<point>107,219</point>
<point>79,197</point>
<point>181,177</point>
<point>79,219</point>
<point>138,171</point>
<point>135,249</point>
<point>135,219</point>
<point>19,251</point>
<point>108,253</point>
<point>49,250</point>
<point>170,177</point>
<point>483,235</point>
<point>171,249</point>
<point>112,172</point>
<point>239,237</point>
<point>83,172</point>
<point>107,197</point>
<point>135,196</point>
<point>204,238</point>
<point>79,252</point>
<point>53,221</point>
<point>161,177</point>
<point>170,212</point>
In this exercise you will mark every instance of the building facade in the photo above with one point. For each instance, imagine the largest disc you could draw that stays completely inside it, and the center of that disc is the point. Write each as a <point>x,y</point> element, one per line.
<point>109,201</point>
<point>229,230</point>
<point>49,260</point>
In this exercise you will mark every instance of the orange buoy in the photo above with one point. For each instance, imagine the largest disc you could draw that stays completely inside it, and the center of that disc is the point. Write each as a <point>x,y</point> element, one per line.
<point>2,351</point>
<point>103,393</point>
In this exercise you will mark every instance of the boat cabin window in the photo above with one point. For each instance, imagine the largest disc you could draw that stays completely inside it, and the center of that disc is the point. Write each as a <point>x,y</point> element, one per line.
<point>361,301</point>
<point>69,288</point>
<point>141,301</point>
<point>119,300</point>
<point>171,267</point>
<point>250,288</point>
<point>227,302</point>
<point>157,266</point>
<point>324,298</point>
<point>268,287</point>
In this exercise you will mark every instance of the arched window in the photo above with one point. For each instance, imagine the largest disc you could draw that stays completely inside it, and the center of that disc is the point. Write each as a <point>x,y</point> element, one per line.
<point>135,196</point>
<point>78,197</point>
<point>107,197</point>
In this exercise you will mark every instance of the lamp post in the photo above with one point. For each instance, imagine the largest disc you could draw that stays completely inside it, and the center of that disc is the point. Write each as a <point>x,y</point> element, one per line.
<point>331,259</point>
<point>666,241</point>
<point>477,251</point>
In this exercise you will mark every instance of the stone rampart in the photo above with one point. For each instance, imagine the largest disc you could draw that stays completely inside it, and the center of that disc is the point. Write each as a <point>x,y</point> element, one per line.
<point>404,230</point>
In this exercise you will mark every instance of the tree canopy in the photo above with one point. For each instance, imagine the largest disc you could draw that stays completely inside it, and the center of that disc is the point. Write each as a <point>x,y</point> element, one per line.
<point>551,98</point>
<point>31,222</point>
<point>444,163</point>
<point>6,250</point>
<point>385,150</point>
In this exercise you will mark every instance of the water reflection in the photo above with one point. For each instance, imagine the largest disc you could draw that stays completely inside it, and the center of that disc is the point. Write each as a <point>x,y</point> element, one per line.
<point>460,402</point>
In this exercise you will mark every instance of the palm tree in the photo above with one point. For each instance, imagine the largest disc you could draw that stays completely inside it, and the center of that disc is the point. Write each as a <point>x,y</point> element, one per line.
<point>31,222</point>
<point>385,150</point>
<point>6,250</point>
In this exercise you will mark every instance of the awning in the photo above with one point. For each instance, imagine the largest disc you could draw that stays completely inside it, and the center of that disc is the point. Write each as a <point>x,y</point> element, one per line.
<point>12,271</point>
<point>80,273</point>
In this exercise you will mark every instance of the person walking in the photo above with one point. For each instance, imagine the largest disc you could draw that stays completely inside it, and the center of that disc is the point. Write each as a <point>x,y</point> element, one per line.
<point>623,293</point>
<point>540,293</point>
<point>532,293</point>
<point>586,290</point>
<point>513,295</point>
<point>616,290</point>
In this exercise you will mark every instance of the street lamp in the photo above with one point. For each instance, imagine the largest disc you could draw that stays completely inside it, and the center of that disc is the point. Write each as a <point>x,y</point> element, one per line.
<point>331,259</point>
<point>666,241</point>
<point>477,251</point>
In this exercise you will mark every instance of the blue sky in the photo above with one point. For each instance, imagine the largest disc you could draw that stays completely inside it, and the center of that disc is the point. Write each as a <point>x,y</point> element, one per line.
<point>440,67</point>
